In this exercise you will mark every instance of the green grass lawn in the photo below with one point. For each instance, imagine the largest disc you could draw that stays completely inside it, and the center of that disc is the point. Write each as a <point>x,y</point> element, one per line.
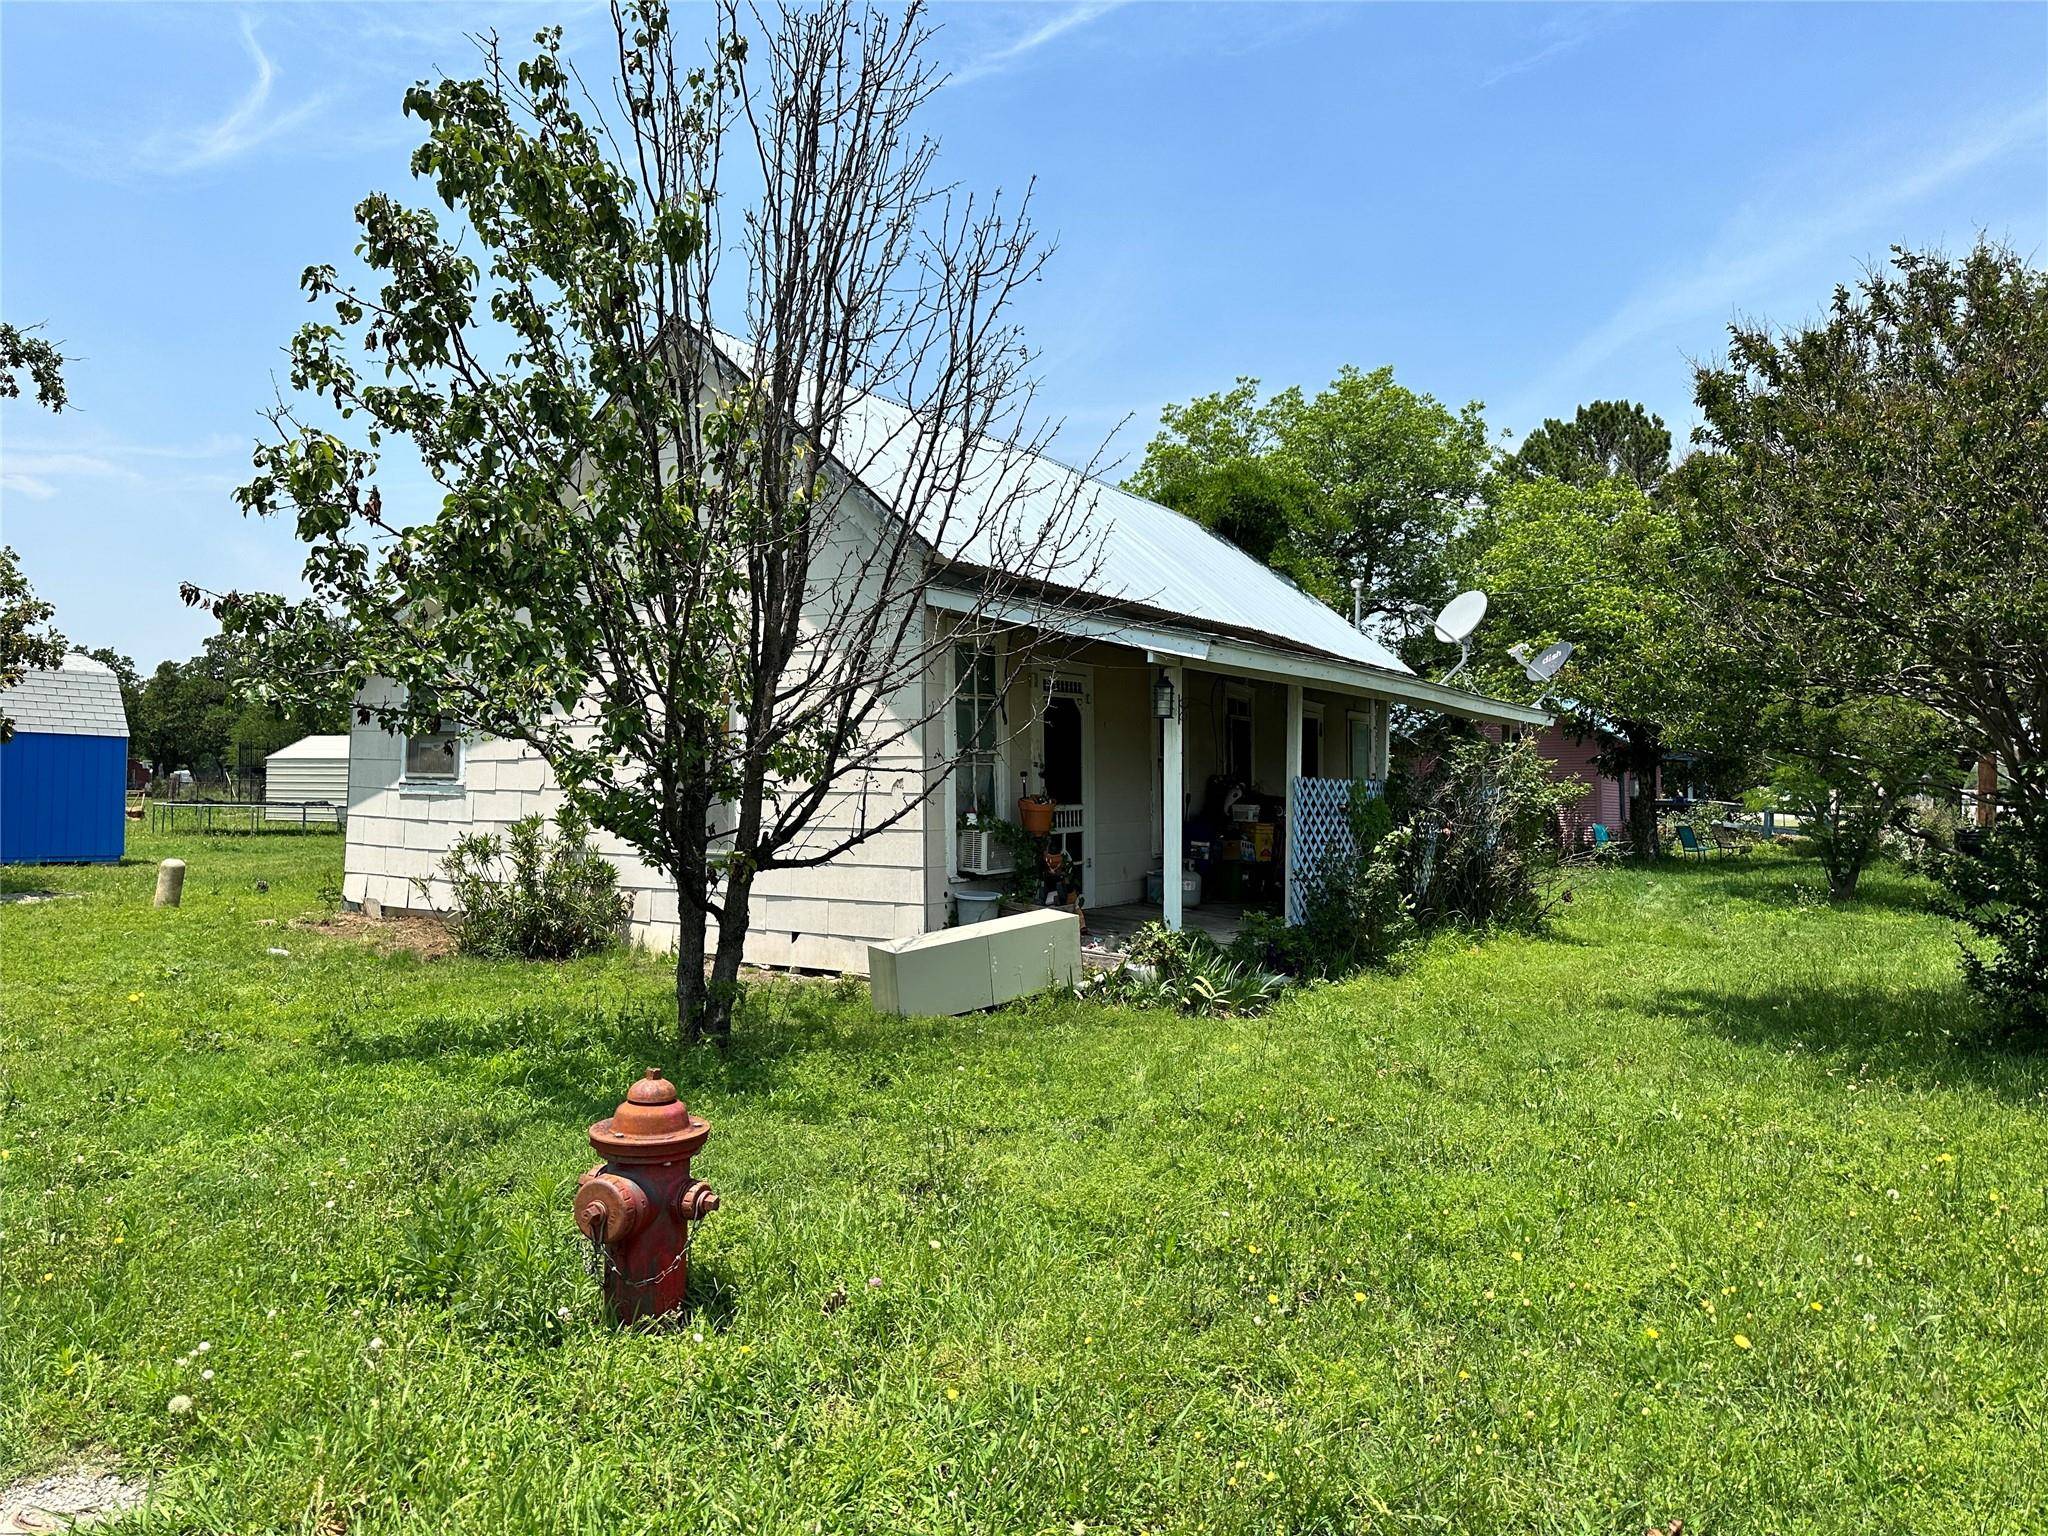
<point>1698,1207</point>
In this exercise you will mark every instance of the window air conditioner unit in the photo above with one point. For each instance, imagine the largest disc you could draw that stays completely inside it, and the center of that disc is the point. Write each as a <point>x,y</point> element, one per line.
<point>982,853</point>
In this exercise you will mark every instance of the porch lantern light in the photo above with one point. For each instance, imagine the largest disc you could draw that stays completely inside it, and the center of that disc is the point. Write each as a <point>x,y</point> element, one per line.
<point>1163,701</point>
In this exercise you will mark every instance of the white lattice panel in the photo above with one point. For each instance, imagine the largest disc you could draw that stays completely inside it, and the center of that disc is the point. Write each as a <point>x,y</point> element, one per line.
<point>1319,829</point>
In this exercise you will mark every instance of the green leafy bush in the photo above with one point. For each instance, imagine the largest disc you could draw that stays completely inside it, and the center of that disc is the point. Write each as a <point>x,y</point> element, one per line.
<point>1483,844</point>
<point>1997,882</point>
<point>1188,972</point>
<point>1851,775</point>
<point>534,897</point>
<point>1924,836</point>
<point>1354,910</point>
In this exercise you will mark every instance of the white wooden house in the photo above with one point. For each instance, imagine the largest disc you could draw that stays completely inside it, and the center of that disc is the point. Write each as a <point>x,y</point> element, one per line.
<point>1268,685</point>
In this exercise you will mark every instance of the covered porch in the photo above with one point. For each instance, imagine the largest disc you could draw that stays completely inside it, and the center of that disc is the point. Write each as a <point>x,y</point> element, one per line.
<point>1110,928</point>
<point>1170,755</point>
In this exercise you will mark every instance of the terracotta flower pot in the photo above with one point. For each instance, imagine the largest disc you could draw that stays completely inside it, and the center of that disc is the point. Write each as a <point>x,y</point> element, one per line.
<point>1034,815</point>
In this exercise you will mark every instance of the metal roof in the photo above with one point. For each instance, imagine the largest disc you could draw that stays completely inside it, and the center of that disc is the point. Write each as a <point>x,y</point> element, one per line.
<point>1136,551</point>
<point>327,747</point>
<point>80,698</point>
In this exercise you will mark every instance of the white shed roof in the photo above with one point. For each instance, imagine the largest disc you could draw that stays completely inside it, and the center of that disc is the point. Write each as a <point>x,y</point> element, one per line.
<point>327,748</point>
<point>80,698</point>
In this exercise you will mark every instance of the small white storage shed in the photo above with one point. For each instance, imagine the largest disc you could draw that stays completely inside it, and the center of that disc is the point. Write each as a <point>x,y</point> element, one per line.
<point>312,770</point>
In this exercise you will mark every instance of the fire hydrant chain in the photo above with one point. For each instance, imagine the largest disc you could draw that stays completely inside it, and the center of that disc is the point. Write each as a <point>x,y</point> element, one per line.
<point>636,1207</point>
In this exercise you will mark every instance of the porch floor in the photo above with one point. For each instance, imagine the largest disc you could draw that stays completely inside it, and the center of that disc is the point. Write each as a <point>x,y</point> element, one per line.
<point>1218,919</point>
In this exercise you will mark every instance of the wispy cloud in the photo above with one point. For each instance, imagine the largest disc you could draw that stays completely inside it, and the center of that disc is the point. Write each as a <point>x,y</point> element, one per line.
<point>253,121</point>
<point>36,475</point>
<point>1760,245</point>
<point>41,471</point>
<point>1564,29</point>
<point>1010,54</point>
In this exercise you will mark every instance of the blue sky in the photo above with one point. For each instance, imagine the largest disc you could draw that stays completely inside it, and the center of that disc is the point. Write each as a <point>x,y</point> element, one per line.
<point>1529,206</point>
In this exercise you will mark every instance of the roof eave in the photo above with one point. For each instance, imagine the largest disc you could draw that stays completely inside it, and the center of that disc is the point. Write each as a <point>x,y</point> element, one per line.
<point>1255,656</point>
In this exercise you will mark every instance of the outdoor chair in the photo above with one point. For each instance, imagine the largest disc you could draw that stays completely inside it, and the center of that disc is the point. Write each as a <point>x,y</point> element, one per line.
<point>1693,845</point>
<point>1605,844</point>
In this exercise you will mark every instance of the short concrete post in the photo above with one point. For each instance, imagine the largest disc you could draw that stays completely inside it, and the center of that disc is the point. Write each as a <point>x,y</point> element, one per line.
<point>170,882</point>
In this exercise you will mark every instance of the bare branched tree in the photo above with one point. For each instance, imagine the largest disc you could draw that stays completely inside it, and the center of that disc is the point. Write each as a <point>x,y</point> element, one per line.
<point>711,575</point>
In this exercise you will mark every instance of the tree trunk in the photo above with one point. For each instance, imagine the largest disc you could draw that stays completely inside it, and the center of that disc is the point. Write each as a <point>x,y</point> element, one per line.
<point>724,990</point>
<point>1645,757</point>
<point>735,915</point>
<point>689,969</point>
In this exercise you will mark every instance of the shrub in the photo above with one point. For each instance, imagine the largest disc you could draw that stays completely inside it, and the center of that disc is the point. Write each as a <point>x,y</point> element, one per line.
<point>1354,910</point>
<point>1848,770</point>
<point>1997,883</point>
<point>1483,845</point>
<point>1925,835</point>
<point>1189,972</point>
<point>533,896</point>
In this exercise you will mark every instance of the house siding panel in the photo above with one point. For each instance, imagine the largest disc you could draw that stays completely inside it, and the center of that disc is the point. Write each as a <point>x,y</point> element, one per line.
<point>823,917</point>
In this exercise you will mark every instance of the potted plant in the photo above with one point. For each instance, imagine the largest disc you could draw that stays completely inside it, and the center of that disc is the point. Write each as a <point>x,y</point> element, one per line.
<point>1034,814</point>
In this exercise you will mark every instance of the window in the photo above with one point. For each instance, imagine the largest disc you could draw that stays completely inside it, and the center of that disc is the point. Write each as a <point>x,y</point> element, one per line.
<point>1237,737</point>
<point>1312,741</point>
<point>1362,743</point>
<point>436,756</point>
<point>975,705</point>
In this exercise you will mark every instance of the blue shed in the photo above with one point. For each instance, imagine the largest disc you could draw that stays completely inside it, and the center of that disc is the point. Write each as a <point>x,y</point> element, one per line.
<point>64,772</point>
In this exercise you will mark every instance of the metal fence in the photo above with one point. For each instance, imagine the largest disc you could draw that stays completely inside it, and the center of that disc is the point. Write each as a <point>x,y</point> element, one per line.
<point>244,816</point>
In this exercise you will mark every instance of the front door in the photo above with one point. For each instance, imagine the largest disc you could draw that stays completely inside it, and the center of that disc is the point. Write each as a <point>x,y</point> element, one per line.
<point>1066,730</point>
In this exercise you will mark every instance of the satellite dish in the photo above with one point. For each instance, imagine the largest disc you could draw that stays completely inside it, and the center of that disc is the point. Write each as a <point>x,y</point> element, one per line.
<point>1460,617</point>
<point>1520,653</point>
<point>1544,666</point>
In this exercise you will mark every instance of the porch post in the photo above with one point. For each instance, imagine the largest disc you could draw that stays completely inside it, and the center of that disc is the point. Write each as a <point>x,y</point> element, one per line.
<point>1172,777</point>
<point>1293,772</point>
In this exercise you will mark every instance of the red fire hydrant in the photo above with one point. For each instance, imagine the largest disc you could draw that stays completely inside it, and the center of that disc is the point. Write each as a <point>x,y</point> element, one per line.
<point>638,1204</point>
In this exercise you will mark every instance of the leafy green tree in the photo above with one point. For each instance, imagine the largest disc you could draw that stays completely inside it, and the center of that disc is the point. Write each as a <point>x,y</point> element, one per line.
<point>653,562</point>
<point>1605,438</point>
<point>184,718</point>
<point>1368,478</point>
<point>1847,770</point>
<point>24,352</point>
<point>1890,512</point>
<point>1600,565</point>
<point>27,643</point>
